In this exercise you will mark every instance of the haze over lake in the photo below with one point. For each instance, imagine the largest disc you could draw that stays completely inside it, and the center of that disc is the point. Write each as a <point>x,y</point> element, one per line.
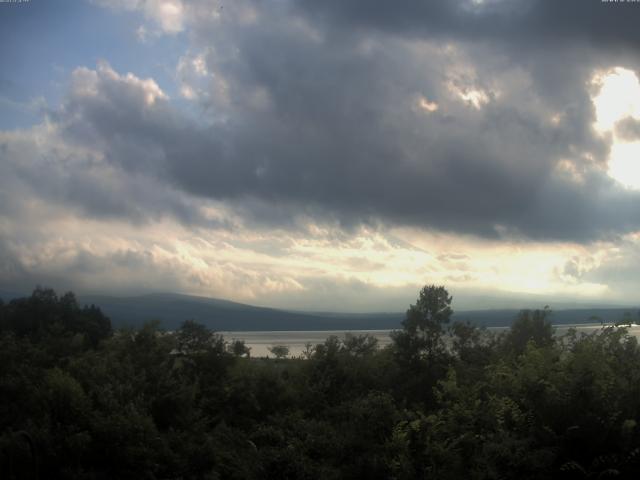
<point>296,341</point>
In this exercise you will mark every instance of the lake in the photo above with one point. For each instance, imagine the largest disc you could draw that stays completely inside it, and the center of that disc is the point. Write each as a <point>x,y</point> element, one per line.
<point>259,342</point>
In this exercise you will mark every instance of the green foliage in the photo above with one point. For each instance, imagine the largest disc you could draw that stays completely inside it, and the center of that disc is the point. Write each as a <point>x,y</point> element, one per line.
<point>279,351</point>
<point>239,349</point>
<point>193,338</point>
<point>530,327</point>
<point>79,401</point>
<point>360,345</point>
<point>46,317</point>
<point>423,326</point>
<point>419,348</point>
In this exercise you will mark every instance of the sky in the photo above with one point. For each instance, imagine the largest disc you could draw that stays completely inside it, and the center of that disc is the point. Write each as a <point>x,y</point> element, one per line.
<point>323,155</point>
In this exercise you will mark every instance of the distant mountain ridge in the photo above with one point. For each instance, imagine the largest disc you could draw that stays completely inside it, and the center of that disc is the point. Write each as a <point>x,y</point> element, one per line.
<point>171,309</point>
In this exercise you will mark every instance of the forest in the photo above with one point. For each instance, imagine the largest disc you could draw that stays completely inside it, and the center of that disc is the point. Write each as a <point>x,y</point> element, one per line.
<point>446,400</point>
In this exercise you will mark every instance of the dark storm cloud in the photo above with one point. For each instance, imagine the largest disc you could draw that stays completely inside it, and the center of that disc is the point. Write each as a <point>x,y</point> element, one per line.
<point>536,22</point>
<point>80,183</point>
<point>338,133</point>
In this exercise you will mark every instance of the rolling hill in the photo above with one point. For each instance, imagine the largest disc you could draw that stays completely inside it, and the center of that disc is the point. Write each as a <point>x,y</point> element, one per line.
<point>172,309</point>
<point>223,315</point>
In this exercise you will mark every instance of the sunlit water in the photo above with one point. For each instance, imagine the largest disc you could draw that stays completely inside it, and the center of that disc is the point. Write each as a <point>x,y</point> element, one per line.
<point>259,342</point>
<point>296,341</point>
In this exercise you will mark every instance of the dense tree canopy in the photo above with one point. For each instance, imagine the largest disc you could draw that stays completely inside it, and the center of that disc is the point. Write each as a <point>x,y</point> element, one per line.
<point>423,326</point>
<point>446,402</point>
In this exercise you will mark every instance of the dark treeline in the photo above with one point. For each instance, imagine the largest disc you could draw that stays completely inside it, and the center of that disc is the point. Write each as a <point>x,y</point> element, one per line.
<point>81,401</point>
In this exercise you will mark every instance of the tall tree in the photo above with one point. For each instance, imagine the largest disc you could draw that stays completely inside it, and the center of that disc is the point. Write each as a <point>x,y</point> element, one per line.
<point>423,326</point>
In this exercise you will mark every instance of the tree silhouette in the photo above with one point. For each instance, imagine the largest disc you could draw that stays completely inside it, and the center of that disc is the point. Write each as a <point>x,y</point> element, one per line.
<point>421,337</point>
<point>279,351</point>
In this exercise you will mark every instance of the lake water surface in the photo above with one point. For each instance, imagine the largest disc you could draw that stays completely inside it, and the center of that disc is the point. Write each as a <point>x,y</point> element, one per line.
<point>259,342</point>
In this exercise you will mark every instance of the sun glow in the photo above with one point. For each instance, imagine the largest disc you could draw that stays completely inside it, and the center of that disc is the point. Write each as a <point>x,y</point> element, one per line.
<point>618,99</point>
<point>624,164</point>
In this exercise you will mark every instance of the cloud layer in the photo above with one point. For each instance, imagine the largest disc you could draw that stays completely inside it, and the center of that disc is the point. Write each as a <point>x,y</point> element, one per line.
<point>320,109</point>
<point>469,119</point>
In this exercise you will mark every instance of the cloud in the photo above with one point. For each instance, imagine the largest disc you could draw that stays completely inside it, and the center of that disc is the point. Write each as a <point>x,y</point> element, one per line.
<point>539,23</point>
<point>306,115</point>
<point>309,144</point>
<point>617,268</point>
<point>628,129</point>
<point>168,15</point>
<point>44,168</point>
<point>320,268</point>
